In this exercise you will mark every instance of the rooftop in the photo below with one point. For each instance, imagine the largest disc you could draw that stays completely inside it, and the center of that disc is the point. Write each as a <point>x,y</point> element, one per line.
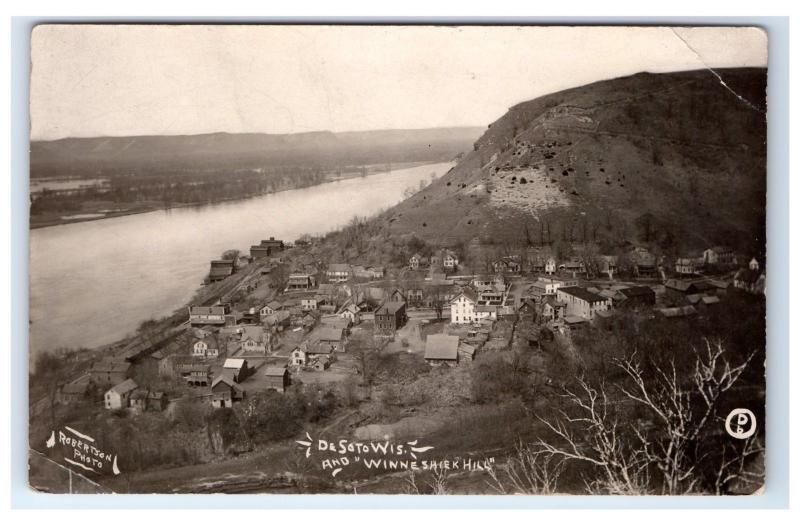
<point>583,294</point>
<point>126,386</point>
<point>441,346</point>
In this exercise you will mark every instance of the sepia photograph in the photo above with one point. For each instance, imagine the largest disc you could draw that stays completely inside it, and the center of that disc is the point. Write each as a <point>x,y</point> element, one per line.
<point>397,259</point>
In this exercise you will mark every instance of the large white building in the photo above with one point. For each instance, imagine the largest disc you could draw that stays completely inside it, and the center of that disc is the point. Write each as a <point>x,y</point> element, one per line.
<point>462,307</point>
<point>581,302</point>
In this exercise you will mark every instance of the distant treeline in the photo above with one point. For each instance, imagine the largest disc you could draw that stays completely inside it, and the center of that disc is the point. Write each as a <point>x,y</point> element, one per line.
<point>180,187</point>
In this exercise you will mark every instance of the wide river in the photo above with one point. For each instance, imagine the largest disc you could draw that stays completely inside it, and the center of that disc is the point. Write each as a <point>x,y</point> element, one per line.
<point>92,283</point>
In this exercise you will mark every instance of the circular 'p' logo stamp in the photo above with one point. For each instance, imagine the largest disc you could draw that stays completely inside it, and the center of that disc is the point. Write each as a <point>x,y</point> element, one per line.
<point>740,423</point>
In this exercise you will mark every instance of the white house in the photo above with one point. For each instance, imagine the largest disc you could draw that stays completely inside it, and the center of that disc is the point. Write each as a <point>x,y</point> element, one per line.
<point>550,266</point>
<point>270,309</point>
<point>417,261</point>
<point>719,255</point>
<point>339,273</point>
<point>255,339</point>
<point>119,396</point>
<point>462,307</point>
<point>449,260</point>
<point>754,265</point>
<point>206,347</point>
<point>581,302</point>
<point>309,303</point>
<point>484,312</point>
<point>297,358</point>
<point>352,313</point>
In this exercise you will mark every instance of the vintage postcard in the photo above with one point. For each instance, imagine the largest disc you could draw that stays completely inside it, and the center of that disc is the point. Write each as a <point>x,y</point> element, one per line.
<point>385,259</point>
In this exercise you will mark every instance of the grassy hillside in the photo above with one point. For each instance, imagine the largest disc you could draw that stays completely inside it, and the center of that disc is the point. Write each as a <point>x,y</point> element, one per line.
<point>676,160</point>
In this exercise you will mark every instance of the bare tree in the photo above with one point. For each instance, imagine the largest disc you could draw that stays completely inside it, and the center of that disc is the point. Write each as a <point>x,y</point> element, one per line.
<point>527,472</point>
<point>628,453</point>
<point>435,485</point>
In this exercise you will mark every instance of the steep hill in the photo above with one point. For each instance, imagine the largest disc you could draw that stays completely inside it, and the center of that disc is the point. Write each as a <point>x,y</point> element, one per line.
<point>676,160</point>
<point>88,156</point>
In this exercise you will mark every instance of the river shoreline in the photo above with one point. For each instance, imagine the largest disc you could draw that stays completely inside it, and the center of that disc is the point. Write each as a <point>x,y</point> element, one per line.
<point>149,207</point>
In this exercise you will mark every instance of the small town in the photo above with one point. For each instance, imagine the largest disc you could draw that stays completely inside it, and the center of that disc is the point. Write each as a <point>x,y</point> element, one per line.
<point>280,319</point>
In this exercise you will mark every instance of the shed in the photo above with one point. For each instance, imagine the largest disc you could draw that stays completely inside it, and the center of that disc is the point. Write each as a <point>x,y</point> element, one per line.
<point>277,378</point>
<point>441,349</point>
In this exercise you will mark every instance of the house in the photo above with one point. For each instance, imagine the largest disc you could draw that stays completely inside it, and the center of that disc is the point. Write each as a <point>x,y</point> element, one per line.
<point>298,357</point>
<point>145,400</point>
<point>270,309</point>
<point>236,369</point>
<point>309,303</point>
<point>255,340</point>
<point>687,265</point>
<point>416,261</point>
<point>396,296</point>
<point>750,280</point>
<point>684,287</point>
<point>266,248</point>
<point>462,307</point>
<point>527,308</point>
<point>552,309</point>
<point>110,372</point>
<point>208,315</point>
<point>321,363</point>
<point>196,374</point>
<point>339,273</point>
<point>550,266</point>
<point>719,255</point>
<point>389,317</point>
<point>449,260</point>
<point>753,264</point>
<point>486,312</point>
<point>636,296</point>
<point>119,396</point>
<point>483,283</point>
<point>279,320</point>
<point>74,392</point>
<point>224,391</point>
<point>272,243</point>
<point>545,286</point>
<point>508,264</point>
<point>377,272</point>
<point>581,302</point>
<point>206,347</point>
<point>351,313</point>
<point>441,349</point>
<point>314,349</point>
<point>573,266</point>
<point>490,298</point>
<point>277,378</point>
<point>333,337</point>
<point>299,282</point>
<point>221,269</point>
<point>607,265</point>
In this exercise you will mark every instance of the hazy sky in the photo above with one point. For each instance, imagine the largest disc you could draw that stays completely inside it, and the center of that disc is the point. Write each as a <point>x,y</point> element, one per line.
<point>132,80</point>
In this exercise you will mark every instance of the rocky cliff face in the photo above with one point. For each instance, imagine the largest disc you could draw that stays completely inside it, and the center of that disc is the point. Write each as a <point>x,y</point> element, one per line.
<point>677,160</point>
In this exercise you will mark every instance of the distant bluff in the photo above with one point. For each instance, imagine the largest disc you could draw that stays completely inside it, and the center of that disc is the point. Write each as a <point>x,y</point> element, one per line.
<point>675,159</point>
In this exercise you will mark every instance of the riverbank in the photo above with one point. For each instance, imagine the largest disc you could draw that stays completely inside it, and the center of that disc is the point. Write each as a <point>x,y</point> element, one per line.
<point>91,211</point>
